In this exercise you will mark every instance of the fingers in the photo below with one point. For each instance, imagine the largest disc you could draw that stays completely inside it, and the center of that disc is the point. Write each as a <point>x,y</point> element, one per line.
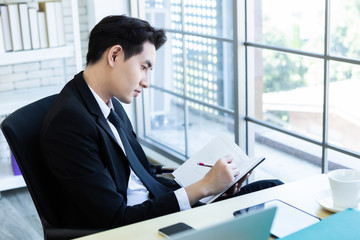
<point>223,173</point>
<point>227,163</point>
<point>236,171</point>
<point>228,158</point>
<point>237,188</point>
<point>231,165</point>
<point>233,190</point>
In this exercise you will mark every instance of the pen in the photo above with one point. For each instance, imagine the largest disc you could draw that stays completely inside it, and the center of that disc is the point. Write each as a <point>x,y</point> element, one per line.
<point>205,164</point>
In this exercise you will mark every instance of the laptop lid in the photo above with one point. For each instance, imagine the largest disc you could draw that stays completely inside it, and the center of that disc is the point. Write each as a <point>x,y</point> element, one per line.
<point>252,226</point>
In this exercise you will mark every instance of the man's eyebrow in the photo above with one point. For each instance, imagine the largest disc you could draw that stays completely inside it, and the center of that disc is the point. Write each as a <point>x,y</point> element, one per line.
<point>148,63</point>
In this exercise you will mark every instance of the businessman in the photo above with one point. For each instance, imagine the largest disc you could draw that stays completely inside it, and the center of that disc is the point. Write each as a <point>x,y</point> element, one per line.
<point>89,145</point>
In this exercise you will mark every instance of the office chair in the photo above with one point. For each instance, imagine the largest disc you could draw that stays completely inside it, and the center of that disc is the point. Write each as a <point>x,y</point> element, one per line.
<point>22,132</point>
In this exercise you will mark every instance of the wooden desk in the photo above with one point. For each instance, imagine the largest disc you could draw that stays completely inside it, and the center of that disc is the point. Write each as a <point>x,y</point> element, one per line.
<point>301,194</point>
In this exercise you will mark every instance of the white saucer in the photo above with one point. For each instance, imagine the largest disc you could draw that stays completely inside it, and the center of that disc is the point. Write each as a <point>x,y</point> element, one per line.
<point>327,203</point>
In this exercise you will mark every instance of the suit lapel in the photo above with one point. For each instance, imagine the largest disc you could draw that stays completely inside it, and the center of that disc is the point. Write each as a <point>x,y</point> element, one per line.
<point>94,109</point>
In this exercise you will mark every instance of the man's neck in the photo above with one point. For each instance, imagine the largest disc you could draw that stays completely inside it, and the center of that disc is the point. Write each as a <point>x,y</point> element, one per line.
<point>95,77</point>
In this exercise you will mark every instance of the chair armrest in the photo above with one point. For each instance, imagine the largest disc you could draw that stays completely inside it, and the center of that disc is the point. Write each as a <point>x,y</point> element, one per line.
<point>161,169</point>
<point>168,169</point>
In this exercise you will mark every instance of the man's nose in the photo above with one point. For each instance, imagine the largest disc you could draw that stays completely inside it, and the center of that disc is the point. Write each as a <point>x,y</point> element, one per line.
<point>145,82</point>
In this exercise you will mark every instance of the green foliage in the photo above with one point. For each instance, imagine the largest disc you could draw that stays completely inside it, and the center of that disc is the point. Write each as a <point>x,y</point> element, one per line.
<point>283,71</point>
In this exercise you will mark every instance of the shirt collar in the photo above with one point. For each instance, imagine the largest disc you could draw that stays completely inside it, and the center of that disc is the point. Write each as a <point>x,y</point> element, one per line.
<point>105,108</point>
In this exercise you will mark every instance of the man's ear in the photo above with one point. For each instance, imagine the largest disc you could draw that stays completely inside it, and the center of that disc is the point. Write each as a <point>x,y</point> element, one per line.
<point>114,52</point>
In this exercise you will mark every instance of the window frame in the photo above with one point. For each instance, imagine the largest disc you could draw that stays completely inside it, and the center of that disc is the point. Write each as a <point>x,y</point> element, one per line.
<point>244,89</point>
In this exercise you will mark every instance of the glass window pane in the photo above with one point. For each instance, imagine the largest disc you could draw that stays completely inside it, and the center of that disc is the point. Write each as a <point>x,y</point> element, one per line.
<point>168,70</point>
<point>344,28</point>
<point>210,71</point>
<point>163,13</point>
<point>289,91</point>
<point>209,17</point>
<point>287,158</point>
<point>164,119</point>
<point>290,24</point>
<point>206,123</point>
<point>344,110</point>
<point>339,160</point>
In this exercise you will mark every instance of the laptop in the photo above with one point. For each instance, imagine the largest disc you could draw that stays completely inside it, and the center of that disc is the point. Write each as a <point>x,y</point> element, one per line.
<point>252,226</point>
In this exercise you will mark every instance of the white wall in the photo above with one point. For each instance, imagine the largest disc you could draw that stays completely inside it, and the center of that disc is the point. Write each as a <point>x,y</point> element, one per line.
<point>98,9</point>
<point>34,75</point>
<point>41,73</point>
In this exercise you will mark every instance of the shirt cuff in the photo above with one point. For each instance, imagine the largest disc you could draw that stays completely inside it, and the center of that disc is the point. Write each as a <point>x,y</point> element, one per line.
<point>182,199</point>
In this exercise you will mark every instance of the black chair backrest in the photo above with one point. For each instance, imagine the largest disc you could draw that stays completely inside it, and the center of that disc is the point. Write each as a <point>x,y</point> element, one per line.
<point>22,132</point>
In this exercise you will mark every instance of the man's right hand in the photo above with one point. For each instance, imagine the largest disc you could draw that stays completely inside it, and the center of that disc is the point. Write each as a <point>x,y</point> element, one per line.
<point>221,175</point>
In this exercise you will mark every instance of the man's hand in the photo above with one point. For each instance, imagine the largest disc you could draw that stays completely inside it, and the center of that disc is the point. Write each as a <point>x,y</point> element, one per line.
<point>221,175</point>
<point>237,186</point>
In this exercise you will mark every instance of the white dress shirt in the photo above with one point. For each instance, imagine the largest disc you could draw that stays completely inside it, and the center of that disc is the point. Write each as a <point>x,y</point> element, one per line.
<point>136,192</point>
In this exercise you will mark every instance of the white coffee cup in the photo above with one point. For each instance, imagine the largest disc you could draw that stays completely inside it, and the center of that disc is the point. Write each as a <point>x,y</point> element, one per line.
<point>345,187</point>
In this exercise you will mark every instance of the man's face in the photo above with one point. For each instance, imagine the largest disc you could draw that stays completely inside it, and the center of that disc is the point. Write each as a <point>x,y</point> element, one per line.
<point>129,77</point>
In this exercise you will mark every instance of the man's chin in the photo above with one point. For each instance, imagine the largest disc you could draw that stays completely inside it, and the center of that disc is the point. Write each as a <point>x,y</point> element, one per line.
<point>125,100</point>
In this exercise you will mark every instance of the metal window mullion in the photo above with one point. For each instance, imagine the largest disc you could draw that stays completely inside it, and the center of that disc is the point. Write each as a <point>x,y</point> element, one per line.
<point>137,10</point>
<point>303,53</point>
<point>236,75</point>
<point>283,130</point>
<point>182,32</point>
<point>186,109</point>
<point>343,150</point>
<point>303,137</point>
<point>249,137</point>
<point>284,49</point>
<point>239,75</point>
<point>324,159</point>
<point>213,106</point>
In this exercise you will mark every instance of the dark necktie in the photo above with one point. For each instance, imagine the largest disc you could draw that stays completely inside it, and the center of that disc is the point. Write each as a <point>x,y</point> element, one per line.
<point>155,187</point>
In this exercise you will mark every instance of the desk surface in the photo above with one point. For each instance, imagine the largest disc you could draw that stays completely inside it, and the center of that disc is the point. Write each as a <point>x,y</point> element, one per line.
<point>302,194</point>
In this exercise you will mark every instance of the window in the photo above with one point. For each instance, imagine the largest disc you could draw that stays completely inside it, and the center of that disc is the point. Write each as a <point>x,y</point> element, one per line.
<point>280,77</point>
<point>191,98</point>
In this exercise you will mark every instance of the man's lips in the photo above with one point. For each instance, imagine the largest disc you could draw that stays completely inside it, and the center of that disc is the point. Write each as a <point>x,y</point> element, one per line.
<point>137,92</point>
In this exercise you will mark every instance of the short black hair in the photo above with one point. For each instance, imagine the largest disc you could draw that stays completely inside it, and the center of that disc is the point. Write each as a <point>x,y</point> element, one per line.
<point>130,33</point>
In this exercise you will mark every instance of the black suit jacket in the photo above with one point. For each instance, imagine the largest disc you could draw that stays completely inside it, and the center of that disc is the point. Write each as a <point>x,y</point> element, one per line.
<point>89,166</point>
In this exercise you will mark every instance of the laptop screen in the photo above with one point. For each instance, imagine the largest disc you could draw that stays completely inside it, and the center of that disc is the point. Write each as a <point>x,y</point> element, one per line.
<point>254,226</point>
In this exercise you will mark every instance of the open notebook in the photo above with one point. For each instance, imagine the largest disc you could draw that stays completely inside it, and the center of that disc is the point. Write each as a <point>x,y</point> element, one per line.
<point>190,172</point>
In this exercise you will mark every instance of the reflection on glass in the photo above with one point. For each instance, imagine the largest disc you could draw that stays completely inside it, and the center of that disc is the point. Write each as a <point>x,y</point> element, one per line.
<point>165,119</point>
<point>163,13</point>
<point>210,17</point>
<point>344,110</point>
<point>206,125</point>
<point>210,70</point>
<point>168,69</point>
<point>200,17</point>
<point>289,92</point>
<point>290,24</point>
<point>344,28</point>
<point>287,158</point>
